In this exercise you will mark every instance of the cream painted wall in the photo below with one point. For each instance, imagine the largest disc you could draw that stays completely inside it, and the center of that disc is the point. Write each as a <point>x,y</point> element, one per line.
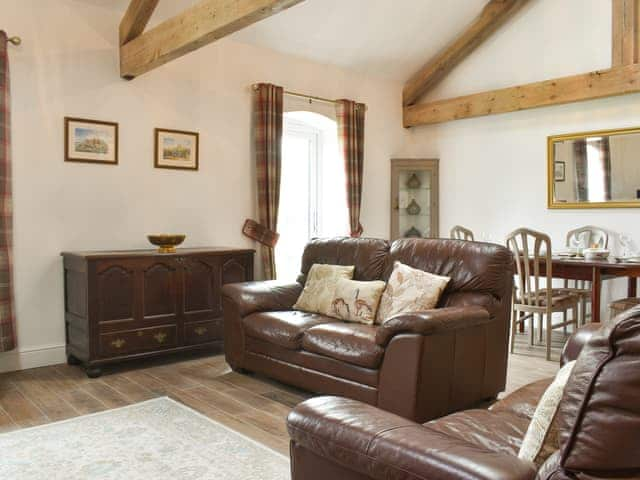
<point>68,65</point>
<point>493,169</point>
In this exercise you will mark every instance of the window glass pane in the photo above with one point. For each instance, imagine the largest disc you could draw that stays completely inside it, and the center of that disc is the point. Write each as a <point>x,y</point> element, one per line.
<point>293,216</point>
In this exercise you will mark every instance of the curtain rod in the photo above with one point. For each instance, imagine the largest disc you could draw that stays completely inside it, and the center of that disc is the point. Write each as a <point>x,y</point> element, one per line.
<point>311,98</point>
<point>14,40</point>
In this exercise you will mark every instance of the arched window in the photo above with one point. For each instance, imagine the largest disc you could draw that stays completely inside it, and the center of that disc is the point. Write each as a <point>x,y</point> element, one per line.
<point>312,191</point>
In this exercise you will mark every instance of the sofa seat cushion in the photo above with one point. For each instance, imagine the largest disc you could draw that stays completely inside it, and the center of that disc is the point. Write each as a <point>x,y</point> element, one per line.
<point>497,432</point>
<point>348,342</point>
<point>523,402</point>
<point>282,328</point>
<point>310,361</point>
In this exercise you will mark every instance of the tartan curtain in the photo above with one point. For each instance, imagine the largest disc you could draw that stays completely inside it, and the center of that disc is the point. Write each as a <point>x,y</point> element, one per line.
<point>581,167</point>
<point>350,117</point>
<point>8,338</point>
<point>604,147</point>
<point>268,121</point>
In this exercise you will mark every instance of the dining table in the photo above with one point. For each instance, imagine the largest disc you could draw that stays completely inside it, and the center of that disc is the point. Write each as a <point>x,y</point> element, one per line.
<point>594,271</point>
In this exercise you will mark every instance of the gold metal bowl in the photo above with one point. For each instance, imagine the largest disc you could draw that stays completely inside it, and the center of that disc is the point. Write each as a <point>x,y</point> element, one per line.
<point>166,243</point>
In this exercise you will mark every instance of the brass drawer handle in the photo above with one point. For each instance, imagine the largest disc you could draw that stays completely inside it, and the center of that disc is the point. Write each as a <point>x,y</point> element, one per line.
<point>118,343</point>
<point>160,337</point>
<point>200,330</point>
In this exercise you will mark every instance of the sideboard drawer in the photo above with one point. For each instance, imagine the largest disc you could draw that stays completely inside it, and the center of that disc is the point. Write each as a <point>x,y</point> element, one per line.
<point>202,332</point>
<point>122,343</point>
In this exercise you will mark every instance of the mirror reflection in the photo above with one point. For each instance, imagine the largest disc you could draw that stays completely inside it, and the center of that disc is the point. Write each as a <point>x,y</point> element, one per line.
<point>595,169</point>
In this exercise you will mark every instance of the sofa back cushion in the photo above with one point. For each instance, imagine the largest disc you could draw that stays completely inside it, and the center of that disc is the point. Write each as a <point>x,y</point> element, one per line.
<point>366,254</point>
<point>482,269</point>
<point>600,409</point>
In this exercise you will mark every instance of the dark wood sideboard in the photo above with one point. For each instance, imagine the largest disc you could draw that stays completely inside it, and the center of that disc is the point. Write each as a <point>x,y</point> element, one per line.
<point>124,305</point>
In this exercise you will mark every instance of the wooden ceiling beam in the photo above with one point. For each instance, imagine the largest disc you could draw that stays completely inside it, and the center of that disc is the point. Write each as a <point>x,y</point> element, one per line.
<point>623,78</point>
<point>589,86</point>
<point>203,23</point>
<point>136,18</point>
<point>494,14</point>
<point>626,32</point>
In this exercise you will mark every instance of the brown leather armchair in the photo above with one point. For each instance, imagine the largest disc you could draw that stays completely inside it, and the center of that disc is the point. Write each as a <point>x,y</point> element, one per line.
<point>599,425</point>
<point>420,366</point>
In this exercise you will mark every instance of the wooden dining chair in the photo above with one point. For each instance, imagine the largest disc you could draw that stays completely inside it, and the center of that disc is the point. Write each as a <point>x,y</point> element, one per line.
<point>531,250</point>
<point>460,233</point>
<point>584,237</point>
<point>623,304</point>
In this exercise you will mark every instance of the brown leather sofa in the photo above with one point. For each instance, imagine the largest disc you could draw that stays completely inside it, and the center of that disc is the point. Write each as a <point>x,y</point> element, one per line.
<point>599,427</point>
<point>420,366</point>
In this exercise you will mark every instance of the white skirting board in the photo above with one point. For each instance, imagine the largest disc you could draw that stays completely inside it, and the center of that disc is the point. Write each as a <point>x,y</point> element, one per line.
<point>22,359</point>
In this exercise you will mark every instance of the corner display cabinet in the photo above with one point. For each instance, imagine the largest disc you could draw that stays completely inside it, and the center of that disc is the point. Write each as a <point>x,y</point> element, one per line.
<point>414,198</point>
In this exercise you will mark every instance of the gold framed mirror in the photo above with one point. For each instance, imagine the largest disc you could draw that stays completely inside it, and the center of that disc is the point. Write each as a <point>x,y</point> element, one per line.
<point>599,169</point>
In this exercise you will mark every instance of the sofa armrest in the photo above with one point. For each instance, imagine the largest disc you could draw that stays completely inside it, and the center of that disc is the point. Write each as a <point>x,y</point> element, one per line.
<point>273,295</point>
<point>577,341</point>
<point>432,322</point>
<point>381,445</point>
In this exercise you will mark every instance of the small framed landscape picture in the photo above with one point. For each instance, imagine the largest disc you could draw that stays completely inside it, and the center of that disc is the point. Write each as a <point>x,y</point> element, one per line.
<point>559,171</point>
<point>176,149</point>
<point>90,141</point>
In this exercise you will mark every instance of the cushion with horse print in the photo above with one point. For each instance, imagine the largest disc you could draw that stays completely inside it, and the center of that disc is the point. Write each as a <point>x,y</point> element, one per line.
<point>355,301</point>
<point>321,283</point>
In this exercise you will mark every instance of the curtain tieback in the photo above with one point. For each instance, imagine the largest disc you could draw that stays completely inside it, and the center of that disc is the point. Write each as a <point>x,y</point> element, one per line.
<point>357,233</point>
<point>260,233</point>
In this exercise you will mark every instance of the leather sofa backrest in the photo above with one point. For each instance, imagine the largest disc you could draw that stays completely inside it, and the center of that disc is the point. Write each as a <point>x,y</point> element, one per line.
<point>600,410</point>
<point>478,269</point>
<point>366,254</point>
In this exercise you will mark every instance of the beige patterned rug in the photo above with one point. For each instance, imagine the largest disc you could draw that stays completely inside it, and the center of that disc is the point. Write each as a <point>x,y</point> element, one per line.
<point>158,439</point>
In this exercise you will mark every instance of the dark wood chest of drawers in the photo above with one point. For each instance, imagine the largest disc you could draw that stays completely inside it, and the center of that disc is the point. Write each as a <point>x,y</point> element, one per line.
<point>123,305</point>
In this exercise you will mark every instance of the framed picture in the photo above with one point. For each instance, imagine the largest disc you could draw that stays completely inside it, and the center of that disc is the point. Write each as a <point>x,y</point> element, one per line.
<point>90,141</point>
<point>176,149</point>
<point>558,171</point>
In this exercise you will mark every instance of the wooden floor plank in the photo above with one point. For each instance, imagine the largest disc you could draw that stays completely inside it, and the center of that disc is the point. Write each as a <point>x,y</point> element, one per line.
<point>286,398</point>
<point>258,402</point>
<point>6,423</point>
<point>83,402</point>
<point>256,384</point>
<point>269,423</point>
<point>149,382</point>
<point>222,402</point>
<point>30,384</point>
<point>107,395</point>
<point>21,410</point>
<point>133,392</point>
<point>169,375</point>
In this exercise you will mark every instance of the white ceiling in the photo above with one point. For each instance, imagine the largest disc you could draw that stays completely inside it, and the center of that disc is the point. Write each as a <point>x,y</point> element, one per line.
<point>386,38</point>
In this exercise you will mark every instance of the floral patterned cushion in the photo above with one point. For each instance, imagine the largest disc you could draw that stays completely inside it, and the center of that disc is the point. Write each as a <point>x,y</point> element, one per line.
<point>356,301</point>
<point>317,295</point>
<point>410,290</point>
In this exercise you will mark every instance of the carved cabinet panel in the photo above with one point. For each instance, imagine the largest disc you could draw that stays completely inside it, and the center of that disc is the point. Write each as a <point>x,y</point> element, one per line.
<point>201,290</point>
<point>159,290</point>
<point>124,305</point>
<point>115,285</point>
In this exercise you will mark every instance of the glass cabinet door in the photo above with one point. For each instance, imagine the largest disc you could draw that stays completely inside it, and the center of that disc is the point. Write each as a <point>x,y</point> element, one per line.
<point>414,195</point>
